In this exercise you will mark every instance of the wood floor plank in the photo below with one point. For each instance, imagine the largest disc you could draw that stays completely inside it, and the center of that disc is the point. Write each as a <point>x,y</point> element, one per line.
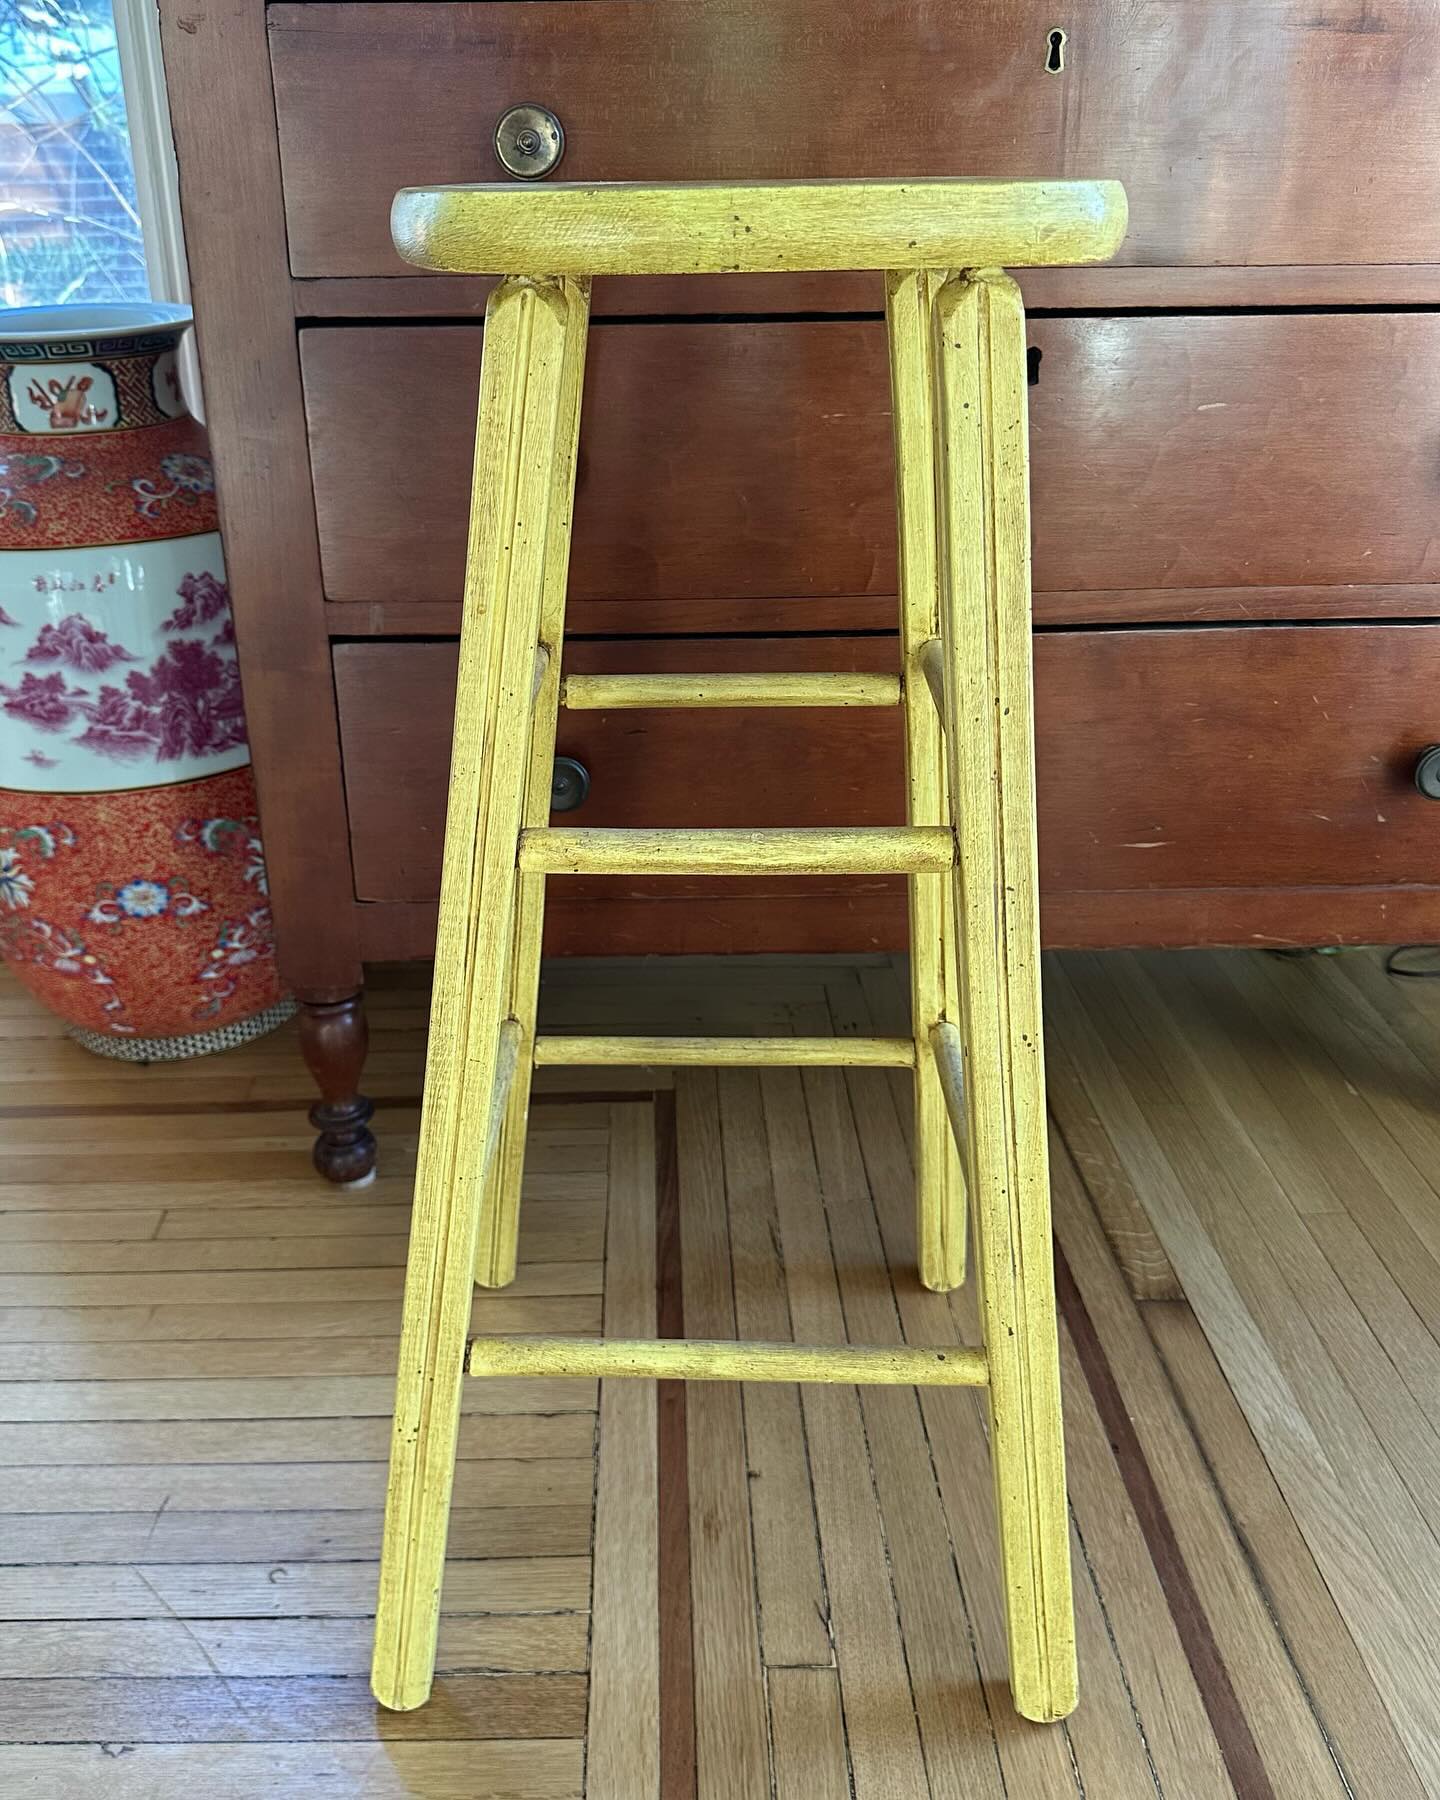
<point>1394,1199</point>
<point>1399,1330</point>
<point>1176,1735</point>
<point>278,1590</point>
<point>1266,1107</point>
<point>1310,1307</point>
<point>87,1132</point>
<point>304,1709</point>
<point>169,1534</point>
<point>928,1616</point>
<point>1114,1756</point>
<point>1122,1606</point>
<point>789,1588</point>
<point>240,1183</point>
<point>1380,1189</point>
<point>1340,1027</point>
<point>623,1730</point>
<point>808,1729</point>
<point>869,1653</point>
<point>1117,1201</point>
<point>303,1487</point>
<point>1195,1729</point>
<point>256,1440</point>
<point>1409,1006</point>
<point>942,1604</point>
<point>244,1287</point>
<point>548,1769</point>
<point>89,1649</point>
<point>1342,1690</point>
<point>732,1734</point>
<point>193,1256</point>
<point>565,1224</point>
<point>271,1398</point>
<point>271,1344</point>
<point>54,1225</point>
<point>214,1323</point>
<point>1337,1512</point>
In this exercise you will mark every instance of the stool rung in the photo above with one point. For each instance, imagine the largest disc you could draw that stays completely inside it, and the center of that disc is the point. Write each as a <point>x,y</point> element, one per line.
<point>856,850</point>
<point>693,1359</point>
<point>827,688</point>
<point>727,1052</point>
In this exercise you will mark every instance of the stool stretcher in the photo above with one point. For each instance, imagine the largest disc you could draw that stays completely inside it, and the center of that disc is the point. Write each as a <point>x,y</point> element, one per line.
<point>726,1052</point>
<point>697,1359</point>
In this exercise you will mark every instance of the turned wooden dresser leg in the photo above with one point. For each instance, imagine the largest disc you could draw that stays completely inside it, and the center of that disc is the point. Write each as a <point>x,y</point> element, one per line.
<point>334,1038</point>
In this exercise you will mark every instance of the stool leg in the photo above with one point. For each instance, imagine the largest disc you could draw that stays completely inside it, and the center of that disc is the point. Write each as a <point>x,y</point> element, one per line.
<point>939,1179</point>
<point>500,1204</point>
<point>521,381</point>
<point>980,342</point>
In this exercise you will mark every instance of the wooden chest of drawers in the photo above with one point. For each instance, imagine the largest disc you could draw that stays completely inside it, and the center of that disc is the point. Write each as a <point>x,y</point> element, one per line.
<point>1235,435</point>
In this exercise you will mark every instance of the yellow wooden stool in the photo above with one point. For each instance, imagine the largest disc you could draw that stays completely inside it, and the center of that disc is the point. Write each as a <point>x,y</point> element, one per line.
<point>958,377</point>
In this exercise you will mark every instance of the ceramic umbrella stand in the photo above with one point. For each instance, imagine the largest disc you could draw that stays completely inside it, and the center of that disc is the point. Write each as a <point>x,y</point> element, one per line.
<point>132,880</point>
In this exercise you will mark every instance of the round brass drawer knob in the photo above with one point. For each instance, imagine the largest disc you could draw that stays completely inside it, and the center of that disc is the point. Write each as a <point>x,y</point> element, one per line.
<point>529,141</point>
<point>1427,772</point>
<point>569,784</point>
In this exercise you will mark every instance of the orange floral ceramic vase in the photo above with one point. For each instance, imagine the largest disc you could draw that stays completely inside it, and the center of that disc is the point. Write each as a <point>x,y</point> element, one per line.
<point>132,882</point>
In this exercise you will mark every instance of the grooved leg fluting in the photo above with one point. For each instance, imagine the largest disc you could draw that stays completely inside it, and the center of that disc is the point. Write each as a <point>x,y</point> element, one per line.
<point>985,628</point>
<point>523,377</point>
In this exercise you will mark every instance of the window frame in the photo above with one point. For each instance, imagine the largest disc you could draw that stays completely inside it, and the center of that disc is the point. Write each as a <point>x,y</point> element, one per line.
<point>152,149</point>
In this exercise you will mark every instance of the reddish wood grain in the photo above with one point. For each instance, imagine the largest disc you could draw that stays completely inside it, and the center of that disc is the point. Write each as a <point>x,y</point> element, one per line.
<point>1202,762</point>
<point>849,613</point>
<point>803,924</point>
<point>235,239</point>
<point>1104,287</point>
<point>1169,453</point>
<point>1196,108</point>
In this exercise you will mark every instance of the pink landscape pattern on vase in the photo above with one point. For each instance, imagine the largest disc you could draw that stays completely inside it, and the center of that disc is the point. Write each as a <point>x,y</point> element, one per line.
<point>79,645</point>
<point>186,704</point>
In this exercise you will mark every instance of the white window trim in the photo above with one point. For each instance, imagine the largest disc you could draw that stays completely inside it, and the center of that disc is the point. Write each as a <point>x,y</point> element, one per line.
<point>157,176</point>
<point>157,182</point>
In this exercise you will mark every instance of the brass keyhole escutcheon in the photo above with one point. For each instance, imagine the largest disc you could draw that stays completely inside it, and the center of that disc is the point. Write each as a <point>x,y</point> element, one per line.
<point>529,141</point>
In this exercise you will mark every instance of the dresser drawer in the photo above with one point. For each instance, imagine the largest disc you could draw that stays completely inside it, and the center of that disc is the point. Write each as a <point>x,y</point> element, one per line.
<point>670,767</point>
<point>1203,759</point>
<point>373,98</point>
<point>753,460</point>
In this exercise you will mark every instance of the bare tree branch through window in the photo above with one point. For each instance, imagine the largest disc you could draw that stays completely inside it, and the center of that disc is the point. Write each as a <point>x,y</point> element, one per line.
<point>69,225</point>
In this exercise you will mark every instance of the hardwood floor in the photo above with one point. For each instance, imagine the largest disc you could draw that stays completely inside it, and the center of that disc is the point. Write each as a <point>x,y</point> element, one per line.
<point>730,1592</point>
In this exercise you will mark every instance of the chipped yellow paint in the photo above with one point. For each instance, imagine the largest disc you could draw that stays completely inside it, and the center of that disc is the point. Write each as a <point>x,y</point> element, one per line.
<point>712,228</point>
<point>522,378</point>
<point>696,1359</point>
<point>828,687</point>
<point>985,626</point>
<point>853,850</point>
<point>727,1052</point>
<point>500,1204</point>
<point>939,1179</point>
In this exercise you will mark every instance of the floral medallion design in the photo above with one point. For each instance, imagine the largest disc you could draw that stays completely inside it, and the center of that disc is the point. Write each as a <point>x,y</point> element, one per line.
<point>133,897</point>
<point>140,913</point>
